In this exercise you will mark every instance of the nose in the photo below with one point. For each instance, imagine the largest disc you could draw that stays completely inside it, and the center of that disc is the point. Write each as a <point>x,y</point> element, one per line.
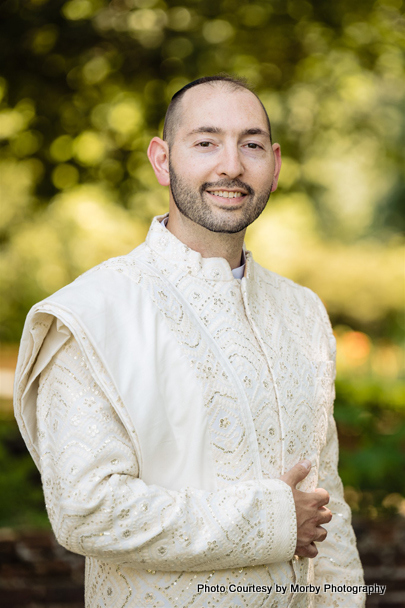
<point>230,162</point>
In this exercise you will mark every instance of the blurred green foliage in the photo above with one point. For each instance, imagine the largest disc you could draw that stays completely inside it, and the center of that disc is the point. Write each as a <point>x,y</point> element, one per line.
<point>85,84</point>
<point>22,501</point>
<point>370,416</point>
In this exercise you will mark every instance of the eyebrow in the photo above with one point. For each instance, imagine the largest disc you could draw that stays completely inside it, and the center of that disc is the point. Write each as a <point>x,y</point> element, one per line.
<point>208,129</point>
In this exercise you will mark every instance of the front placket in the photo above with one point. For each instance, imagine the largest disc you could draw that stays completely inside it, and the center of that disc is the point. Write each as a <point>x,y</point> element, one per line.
<point>250,316</point>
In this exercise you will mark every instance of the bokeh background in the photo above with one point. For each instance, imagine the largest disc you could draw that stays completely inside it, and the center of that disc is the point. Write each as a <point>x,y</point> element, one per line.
<point>84,87</point>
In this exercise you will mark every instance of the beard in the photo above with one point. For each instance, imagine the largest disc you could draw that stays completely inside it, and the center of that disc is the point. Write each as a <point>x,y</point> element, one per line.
<point>192,205</point>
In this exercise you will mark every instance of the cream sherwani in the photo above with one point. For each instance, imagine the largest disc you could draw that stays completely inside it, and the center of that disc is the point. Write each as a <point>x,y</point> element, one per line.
<point>161,400</point>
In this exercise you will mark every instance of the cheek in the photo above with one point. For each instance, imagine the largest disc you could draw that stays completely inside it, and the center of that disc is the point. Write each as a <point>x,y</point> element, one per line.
<point>262,179</point>
<point>197,171</point>
<point>191,167</point>
<point>263,182</point>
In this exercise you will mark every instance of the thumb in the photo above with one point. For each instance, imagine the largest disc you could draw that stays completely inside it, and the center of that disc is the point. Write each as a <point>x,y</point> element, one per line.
<point>297,473</point>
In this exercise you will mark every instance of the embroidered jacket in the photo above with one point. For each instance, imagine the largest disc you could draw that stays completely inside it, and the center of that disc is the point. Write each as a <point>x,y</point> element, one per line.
<point>161,399</point>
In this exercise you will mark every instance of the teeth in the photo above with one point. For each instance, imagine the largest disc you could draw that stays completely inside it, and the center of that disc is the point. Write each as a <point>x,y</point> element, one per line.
<point>226,194</point>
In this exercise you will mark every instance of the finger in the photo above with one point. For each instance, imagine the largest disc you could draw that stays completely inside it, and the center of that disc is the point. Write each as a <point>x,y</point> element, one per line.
<point>322,497</point>
<point>321,534</point>
<point>324,515</point>
<point>297,473</point>
<point>307,551</point>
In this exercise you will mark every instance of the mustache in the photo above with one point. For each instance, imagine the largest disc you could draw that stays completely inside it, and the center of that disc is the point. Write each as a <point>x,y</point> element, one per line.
<point>235,183</point>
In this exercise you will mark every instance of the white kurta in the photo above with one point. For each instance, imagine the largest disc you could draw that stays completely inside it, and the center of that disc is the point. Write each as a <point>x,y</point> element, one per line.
<point>166,399</point>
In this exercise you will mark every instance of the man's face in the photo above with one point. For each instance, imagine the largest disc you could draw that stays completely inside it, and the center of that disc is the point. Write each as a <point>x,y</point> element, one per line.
<point>221,161</point>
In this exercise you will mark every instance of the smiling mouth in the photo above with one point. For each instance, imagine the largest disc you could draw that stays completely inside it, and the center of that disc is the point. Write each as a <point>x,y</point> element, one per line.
<point>234,195</point>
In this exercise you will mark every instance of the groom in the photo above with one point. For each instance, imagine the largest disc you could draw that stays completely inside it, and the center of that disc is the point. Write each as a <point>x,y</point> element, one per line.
<point>178,401</point>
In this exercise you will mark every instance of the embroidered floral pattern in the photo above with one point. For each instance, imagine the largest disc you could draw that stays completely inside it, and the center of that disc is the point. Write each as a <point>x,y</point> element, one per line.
<point>262,354</point>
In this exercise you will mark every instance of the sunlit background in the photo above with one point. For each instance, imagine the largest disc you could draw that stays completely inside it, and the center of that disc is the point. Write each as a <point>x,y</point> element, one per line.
<point>84,87</point>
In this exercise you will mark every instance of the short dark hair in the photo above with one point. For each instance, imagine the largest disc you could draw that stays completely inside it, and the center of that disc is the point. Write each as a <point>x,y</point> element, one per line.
<point>172,114</point>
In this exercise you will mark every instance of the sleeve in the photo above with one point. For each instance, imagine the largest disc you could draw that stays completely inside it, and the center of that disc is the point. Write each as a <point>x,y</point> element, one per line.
<point>337,562</point>
<point>99,507</point>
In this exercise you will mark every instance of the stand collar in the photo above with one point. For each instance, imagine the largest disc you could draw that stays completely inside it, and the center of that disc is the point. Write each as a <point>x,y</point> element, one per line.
<point>165,244</point>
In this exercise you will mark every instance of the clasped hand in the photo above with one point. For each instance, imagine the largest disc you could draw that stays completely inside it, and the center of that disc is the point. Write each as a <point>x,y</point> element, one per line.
<point>310,511</point>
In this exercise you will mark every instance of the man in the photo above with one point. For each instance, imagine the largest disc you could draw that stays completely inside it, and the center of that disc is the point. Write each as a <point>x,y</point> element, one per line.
<point>175,398</point>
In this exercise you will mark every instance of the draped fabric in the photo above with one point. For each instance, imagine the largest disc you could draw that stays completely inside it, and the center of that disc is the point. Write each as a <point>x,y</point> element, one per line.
<point>161,399</point>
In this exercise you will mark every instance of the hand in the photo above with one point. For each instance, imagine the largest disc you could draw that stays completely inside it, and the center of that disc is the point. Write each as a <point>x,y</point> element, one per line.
<point>310,510</point>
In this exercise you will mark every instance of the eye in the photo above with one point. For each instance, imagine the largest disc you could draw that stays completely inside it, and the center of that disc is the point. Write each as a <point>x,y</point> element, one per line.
<point>204,144</point>
<point>254,146</point>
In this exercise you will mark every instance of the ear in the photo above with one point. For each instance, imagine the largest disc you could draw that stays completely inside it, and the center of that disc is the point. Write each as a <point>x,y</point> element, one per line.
<point>277,165</point>
<point>158,154</point>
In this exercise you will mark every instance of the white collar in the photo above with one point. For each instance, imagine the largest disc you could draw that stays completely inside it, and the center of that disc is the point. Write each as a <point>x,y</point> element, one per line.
<point>237,272</point>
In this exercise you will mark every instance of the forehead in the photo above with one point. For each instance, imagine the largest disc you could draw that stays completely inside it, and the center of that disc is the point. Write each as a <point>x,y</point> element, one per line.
<point>223,106</point>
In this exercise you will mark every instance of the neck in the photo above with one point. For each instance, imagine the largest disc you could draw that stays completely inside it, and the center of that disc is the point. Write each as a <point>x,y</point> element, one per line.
<point>208,244</point>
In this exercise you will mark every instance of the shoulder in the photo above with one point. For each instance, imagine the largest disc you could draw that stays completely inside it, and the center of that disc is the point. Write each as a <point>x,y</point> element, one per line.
<point>102,278</point>
<point>303,304</point>
<point>286,288</point>
<point>104,291</point>
<point>112,266</point>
